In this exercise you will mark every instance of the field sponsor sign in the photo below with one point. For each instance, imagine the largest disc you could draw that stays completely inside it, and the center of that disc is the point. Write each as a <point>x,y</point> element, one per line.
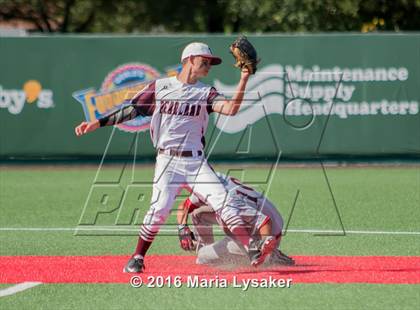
<point>314,95</point>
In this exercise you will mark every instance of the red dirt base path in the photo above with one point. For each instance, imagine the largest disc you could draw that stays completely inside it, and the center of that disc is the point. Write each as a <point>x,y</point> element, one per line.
<point>308,269</point>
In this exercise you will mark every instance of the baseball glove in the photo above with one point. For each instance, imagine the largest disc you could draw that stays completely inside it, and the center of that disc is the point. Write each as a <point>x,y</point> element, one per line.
<point>245,54</point>
<point>186,238</point>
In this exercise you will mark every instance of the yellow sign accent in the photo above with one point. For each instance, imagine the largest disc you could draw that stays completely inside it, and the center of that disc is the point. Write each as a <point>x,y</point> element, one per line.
<point>32,88</point>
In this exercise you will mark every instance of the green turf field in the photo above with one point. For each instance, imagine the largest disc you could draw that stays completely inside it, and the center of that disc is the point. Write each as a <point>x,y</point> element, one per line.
<point>301,296</point>
<point>377,207</point>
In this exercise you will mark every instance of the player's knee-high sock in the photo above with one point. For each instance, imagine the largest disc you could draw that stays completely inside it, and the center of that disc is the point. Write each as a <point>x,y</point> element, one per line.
<point>145,240</point>
<point>237,227</point>
<point>142,247</point>
<point>278,238</point>
<point>242,234</point>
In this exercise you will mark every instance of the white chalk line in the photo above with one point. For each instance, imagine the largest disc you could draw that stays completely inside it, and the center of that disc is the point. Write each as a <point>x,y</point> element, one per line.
<point>18,288</point>
<point>175,230</point>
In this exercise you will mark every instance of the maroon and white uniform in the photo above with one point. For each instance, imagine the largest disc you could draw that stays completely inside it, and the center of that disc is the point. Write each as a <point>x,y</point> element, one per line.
<point>180,114</point>
<point>244,204</point>
<point>179,117</point>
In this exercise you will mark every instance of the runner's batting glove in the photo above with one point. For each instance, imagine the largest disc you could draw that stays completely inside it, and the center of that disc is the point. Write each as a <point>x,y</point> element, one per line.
<point>186,237</point>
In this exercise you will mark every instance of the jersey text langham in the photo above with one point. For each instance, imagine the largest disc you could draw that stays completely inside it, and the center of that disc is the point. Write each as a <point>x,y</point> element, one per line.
<point>175,108</point>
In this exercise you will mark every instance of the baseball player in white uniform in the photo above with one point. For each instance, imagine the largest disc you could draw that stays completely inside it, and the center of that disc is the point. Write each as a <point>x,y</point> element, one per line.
<point>257,211</point>
<point>180,108</point>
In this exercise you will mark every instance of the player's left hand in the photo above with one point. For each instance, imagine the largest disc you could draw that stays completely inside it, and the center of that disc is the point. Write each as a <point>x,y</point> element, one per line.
<point>186,238</point>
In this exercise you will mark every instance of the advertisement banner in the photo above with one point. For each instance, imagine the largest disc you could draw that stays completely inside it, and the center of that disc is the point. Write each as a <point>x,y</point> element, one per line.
<point>313,95</point>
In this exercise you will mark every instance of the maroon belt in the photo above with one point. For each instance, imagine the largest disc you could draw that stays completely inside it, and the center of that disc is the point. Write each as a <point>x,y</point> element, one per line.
<point>177,153</point>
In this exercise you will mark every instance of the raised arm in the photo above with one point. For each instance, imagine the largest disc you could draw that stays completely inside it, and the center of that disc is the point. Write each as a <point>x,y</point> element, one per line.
<point>231,107</point>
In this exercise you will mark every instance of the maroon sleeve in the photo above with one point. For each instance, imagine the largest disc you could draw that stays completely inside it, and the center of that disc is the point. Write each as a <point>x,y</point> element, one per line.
<point>210,99</point>
<point>144,101</point>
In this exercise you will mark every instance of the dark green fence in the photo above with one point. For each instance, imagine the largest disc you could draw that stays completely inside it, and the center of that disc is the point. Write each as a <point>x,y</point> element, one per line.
<point>340,94</point>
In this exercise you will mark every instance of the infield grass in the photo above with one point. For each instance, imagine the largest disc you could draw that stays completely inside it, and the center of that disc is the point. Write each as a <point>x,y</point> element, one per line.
<point>383,199</point>
<point>300,296</point>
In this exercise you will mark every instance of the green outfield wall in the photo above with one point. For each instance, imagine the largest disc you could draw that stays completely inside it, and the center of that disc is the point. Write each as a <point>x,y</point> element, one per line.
<point>314,95</point>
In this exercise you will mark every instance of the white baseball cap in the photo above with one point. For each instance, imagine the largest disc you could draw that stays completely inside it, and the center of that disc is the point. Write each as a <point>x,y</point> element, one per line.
<point>200,49</point>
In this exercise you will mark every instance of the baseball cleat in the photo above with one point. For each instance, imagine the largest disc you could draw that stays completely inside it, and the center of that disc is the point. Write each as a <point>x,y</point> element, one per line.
<point>135,265</point>
<point>277,257</point>
<point>265,247</point>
